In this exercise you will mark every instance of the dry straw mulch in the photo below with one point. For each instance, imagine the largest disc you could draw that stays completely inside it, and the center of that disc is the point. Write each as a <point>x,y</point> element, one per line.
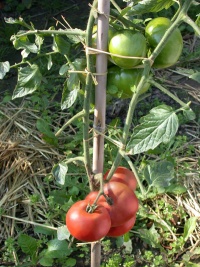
<point>25,160</point>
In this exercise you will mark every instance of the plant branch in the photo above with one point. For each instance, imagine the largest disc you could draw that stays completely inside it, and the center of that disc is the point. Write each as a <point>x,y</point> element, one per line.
<point>143,191</point>
<point>167,92</point>
<point>189,21</point>
<point>49,32</point>
<point>129,117</point>
<point>179,19</point>
<point>77,116</point>
<point>87,96</point>
<point>32,59</point>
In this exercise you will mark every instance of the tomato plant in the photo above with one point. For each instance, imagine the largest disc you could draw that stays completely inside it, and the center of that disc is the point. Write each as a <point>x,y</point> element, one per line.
<point>122,229</point>
<point>121,202</point>
<point>127,43</point>
<point>87,226</point>
<point>123,82</point>
<point>125,176</point>
<point>172,50</point>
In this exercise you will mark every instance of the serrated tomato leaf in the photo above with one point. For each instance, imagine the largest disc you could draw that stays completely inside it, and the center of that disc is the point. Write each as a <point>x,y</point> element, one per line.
<point>47,135</point>
<point>24,43</point>
<point>28,244</point>
<point>4,68</point>
<point>70,91</point>
<point>159,126</point>
<point>29,80</point>
<point>146,6</point>
<point>61,45</point>
<point>159,174</point>
<point>151,237</point>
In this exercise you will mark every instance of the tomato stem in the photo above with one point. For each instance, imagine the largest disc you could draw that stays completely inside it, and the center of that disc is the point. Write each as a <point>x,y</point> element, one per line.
<point>143,191</point>
<point>189,21</point>
<point>179,19</point>
<point>87,95</point>
<point>129,117</point>
<point>167,92</point>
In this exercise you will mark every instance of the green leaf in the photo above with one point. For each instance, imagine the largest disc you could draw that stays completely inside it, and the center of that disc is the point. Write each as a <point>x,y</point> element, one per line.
<point>70,91</point>
<point>50,63</point>
<point>189,114</point>
<point>189,227</point>
<point>63,233</point>
<point>151,237</point>
<point>70,262</point>
<point>146,6</point>
<point>28,244</point>
<point>195,76</point>
<point>43,127</point>
<point>43,230</point>
<point>76,38</point>
<point>60,171</point>
<point>176,189</point>
<point>63,69</point>
<point>4,68</point>
<point>61,45</point>
<point>47,135</point>
<point>58,249</point>
<point>159,174</point>
<point>160,126</point>
<point>29,80</point>
<point>24,43</point>
<point>45,261</point>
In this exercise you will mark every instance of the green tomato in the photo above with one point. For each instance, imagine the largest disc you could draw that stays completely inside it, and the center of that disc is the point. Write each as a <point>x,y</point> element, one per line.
<point>127,43</point>
<point>111,33</point>
<point>123,82</point>
<point>172,50</point>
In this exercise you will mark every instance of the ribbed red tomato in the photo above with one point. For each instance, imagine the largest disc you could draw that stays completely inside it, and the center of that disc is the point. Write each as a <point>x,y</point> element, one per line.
<point>123,203</point>
<point>123,175</point>
<point>87,226</point>
<point>122,229</point>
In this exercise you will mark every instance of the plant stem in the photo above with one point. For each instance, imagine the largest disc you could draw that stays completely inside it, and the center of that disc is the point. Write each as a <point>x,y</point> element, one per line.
<point>189,21</point>
<point>179,19</point>
<point>143,191</point>
<point>87,95</point>
<point>114,13</point>
<point>32,59</point>
<point>167,92</point>
<point>129,118</point>
<point>49,32</point>
<point>75,117</point>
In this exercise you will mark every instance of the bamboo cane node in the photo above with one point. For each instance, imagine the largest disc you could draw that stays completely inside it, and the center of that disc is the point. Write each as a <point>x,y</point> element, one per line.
<point>99,129</point>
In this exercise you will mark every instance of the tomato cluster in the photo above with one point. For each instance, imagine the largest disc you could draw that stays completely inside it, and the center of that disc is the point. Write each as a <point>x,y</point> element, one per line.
<point>126,75</point>
<point>115,213</point>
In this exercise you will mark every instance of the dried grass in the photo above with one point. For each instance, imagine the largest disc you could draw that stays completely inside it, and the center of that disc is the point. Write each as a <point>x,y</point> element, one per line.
<point>24,162</point>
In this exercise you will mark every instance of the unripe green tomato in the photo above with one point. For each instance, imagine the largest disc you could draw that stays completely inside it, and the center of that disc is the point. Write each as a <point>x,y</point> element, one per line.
<point>111,32</point>
<point>127,43</point>
<point>172,50</point>
<point>123,82</point>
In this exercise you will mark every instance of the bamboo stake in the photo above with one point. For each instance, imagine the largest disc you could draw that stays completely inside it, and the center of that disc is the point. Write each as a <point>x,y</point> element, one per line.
<point>100,104</point>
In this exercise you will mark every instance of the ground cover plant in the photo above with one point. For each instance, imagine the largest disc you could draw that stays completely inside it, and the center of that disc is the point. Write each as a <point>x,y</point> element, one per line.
<point>123,140</point>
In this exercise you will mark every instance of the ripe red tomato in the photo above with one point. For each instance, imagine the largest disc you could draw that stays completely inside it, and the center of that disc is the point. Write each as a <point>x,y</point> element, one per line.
<point>123,175</point>
<point>123,202</point>
<point>122,229</point>
<point>87,226</point>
